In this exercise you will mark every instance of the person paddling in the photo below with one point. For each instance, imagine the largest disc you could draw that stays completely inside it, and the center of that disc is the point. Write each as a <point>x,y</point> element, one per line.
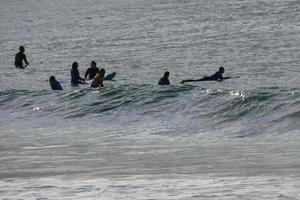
<point>215,77</point>
<point>20,56</point>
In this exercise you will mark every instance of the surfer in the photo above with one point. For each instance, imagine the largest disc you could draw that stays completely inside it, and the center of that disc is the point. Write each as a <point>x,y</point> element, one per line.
<point>164,80</point>
<point>75,77</point>
<point>55,85</point>
<point>20,57</point>
<point>98,80</point>
<point>92,71</point>
<point>215,77</point>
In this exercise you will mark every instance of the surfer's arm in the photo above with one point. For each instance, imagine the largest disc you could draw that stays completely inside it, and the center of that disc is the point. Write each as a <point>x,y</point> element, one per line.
<point>86,74</point>
<point>27,63</point>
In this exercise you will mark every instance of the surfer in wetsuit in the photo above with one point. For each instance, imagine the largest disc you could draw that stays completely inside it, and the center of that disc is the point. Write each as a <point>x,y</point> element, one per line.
<point>164,80</point>
<point>98,80</point>
<point>92,71</point>
<point>75,77</point>
<point>215,77</point>
<point>55,85</point>
<point>20,57</point>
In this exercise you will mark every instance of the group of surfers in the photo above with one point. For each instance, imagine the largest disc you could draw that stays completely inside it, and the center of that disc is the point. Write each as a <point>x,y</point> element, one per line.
<point>97,76</point>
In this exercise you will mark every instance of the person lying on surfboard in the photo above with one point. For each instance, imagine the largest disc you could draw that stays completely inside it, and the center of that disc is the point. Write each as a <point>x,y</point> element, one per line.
<point>215,77</point>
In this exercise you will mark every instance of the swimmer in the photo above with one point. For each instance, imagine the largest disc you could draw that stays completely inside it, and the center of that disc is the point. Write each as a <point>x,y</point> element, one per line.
<point>92,71</point>
<point>55,85</point>
<point>75,77</point>
<point>164,80</point>
<point>215,77</point>
<point>20,57</point>
<point>98,80</point>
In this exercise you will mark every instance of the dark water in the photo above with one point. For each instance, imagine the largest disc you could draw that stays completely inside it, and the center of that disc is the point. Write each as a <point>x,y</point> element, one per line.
<point>132,139</point>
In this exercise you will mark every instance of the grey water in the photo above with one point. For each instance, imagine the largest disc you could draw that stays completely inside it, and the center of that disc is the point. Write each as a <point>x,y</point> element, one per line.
<point>133,139</point>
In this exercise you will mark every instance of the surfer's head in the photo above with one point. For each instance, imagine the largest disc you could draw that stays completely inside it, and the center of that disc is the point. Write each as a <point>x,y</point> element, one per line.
<point>221,70</point>
<point>22,49</point>
<point>74,65</point>
<point>52,78</point>
<point>166,74</point>
<point>93,64</point>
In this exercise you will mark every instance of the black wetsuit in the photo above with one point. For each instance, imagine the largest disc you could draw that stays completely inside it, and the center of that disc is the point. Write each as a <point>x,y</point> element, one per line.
<point>55,85</point>
<point>164,81</point>
<point>75,78</point>
<point>91,72</point>
<point>19,60</point>
<point>215,77</point>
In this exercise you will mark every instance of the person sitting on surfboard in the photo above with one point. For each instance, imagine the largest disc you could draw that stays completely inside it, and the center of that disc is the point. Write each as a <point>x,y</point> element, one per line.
<point>75,77</point>
<point>215,77</point>
<point>164,80</point>
<point>98,80</point>
<point>92,71</point>
<point>55,85</point>
<point>20,57</point>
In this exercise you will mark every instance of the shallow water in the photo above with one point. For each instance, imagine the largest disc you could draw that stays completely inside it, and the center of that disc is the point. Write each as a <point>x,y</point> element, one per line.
<point>133,139</point>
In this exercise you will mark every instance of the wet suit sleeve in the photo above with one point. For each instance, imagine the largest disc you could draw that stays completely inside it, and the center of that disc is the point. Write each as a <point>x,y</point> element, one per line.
<point>86,73</point>
<point>24,57</point>
<point>78,77</point>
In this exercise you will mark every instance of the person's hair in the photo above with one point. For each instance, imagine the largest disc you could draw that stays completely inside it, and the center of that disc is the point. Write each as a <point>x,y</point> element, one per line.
<point>52,78</point>
<point>221,69</point>
<point>93,63</point>
<point>74,65</point>
<point>21,48</point>
<point>166,74</point>
<point>102,72</point>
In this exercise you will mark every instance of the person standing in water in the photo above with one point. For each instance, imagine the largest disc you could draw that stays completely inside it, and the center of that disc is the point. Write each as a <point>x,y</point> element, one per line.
<point>98,80</point>
<point>92,71</point>
<point>164,80</point>
<point>215,77</point>
<point>20,57</point>
<point>55,85</point>
<point>75,77</point>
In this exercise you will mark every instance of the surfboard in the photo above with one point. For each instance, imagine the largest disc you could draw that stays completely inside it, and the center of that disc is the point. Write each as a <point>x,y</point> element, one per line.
<point>110,76</point>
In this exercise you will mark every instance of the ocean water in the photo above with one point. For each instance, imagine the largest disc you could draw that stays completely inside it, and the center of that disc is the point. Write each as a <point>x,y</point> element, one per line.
<point>133,139</point>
